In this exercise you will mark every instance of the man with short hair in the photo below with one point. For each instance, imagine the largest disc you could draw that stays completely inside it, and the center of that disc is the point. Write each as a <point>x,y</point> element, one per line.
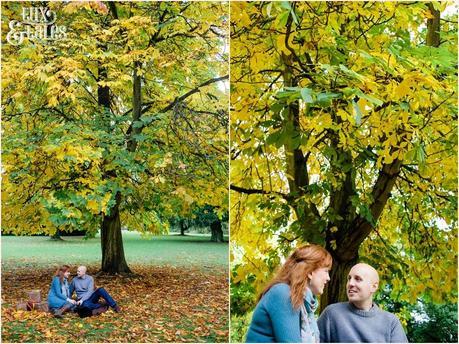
<point>360,320</point>
<point>83,285</point>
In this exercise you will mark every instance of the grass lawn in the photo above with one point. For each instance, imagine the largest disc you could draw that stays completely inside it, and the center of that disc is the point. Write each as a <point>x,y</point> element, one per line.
<point>180,292</point>
<point>189,250</point>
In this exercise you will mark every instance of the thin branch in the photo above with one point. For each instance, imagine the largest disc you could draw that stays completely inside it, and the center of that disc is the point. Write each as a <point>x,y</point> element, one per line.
<point>258,191</point>
<point>186,95</point>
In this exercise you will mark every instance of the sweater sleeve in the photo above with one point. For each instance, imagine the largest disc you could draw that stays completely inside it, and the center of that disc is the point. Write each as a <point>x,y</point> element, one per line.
<point>324,327</point>
<point>397,333</point>
<point>57,291</point>
<point>285,320</point>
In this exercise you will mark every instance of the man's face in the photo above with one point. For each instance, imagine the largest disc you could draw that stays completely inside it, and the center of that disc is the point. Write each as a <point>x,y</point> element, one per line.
<point>361,284</point>
<point>81,271</point>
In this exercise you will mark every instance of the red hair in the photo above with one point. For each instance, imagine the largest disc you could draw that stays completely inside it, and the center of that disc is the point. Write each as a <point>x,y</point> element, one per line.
<point>61,271</point>
<point>297,267</point>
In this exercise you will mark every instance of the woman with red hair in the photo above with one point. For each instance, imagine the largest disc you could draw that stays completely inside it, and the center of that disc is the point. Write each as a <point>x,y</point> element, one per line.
<point>59,300</point>
<point>285,311</point>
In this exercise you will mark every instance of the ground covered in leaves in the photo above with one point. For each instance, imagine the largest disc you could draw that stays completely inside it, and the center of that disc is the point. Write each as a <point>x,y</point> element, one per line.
<point>160,304</point>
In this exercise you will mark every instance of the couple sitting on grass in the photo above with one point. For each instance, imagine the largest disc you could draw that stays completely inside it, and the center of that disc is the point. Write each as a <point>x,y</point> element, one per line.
<point>87,298</point>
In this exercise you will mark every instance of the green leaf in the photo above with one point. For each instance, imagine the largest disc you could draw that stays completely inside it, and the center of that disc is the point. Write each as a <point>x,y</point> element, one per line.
<point>349,91</point>
<point>277,107</point>
<point>404,106</point>
<point>137,124</point>
<point>148,119</point>
<point>268,9</point>
<point>140,137</point>
<point>295,19</point>
<point>306,94</point>
<point>371,99</point>
<point>420,154</point>
<point>324,99</point>
<point>289,93</point>
<point>357,113</point>
<point>281,20</point>
<point>275,138</point>
<point>285,5</point>
<point>351,73</point>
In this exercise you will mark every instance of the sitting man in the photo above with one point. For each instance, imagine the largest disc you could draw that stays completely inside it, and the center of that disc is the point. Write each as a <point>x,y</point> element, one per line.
<point>83,285</point>
<point>360,320</point>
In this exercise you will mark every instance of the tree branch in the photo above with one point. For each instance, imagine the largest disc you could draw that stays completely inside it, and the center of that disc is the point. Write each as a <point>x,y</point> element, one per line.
<point>360,227</point>
<point>183,97</point>
<point>258,191</point>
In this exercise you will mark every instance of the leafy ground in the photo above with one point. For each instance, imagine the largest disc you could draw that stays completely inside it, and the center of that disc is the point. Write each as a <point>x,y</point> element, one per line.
<point>170,299</point>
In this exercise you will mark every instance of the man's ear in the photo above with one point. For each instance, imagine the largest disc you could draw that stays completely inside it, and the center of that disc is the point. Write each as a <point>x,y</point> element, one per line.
<point>374,287</point>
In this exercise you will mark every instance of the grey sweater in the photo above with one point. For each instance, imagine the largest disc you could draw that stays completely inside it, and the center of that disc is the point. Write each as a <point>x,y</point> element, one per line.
<point>83,287</point>
<point>343,322</point>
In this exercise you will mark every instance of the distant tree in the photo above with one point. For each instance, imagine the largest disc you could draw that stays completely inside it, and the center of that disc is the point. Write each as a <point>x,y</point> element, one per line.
<point>440,326</point>
<point>181,222</point>
<point>207,216</point>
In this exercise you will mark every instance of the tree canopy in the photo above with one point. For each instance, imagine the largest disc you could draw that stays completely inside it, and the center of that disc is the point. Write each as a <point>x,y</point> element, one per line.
<point>123,122</point>
<point>344,133</point>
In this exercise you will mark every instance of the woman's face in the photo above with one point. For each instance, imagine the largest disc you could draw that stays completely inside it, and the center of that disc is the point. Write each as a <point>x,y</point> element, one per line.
<point>67,274</point>
<point>317,280</point>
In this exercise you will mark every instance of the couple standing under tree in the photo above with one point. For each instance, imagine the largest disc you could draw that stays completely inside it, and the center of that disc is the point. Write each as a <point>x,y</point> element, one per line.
<point>285,311</point>
<point>87,297</point>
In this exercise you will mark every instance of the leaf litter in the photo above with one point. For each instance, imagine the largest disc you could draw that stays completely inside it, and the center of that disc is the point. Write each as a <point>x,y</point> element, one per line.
<point>158,304</point>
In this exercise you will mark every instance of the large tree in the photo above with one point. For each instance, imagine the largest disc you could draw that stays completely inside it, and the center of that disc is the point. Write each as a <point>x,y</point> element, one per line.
<point>344,134</point>
<point>122,123</point>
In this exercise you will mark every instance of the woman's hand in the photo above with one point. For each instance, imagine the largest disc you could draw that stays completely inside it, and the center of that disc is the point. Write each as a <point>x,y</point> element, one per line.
<point>73,302</point>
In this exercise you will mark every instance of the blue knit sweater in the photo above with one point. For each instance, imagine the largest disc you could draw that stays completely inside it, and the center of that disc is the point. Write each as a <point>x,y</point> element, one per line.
<point>344,323</point>
<point>274,318</point>
<point>56,297</point>
<point>83,287</point>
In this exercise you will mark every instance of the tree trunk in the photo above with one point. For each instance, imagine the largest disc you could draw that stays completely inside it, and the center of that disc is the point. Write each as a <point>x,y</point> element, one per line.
<point>183,227</point>
<point>297,168</point>
<point>433,27</point>
<point>56,236</point>
<point>335,290</point>
<point>136,107</point>
<point>217,232</point>
<point>113,260</point>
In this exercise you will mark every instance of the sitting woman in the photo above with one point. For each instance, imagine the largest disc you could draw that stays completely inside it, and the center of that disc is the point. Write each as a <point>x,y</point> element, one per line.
<point>59,300</point>
<point>285,310</point>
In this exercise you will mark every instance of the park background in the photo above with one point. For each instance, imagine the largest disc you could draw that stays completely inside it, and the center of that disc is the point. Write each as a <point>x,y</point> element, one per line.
<point>344,133</point>
<point>117,131</point>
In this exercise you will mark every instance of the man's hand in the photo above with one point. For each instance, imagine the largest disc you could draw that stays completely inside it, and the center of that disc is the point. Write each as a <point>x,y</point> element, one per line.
<point>78,303</point>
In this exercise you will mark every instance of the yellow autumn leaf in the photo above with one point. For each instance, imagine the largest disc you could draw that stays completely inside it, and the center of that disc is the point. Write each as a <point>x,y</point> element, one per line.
<point>93,206</point>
